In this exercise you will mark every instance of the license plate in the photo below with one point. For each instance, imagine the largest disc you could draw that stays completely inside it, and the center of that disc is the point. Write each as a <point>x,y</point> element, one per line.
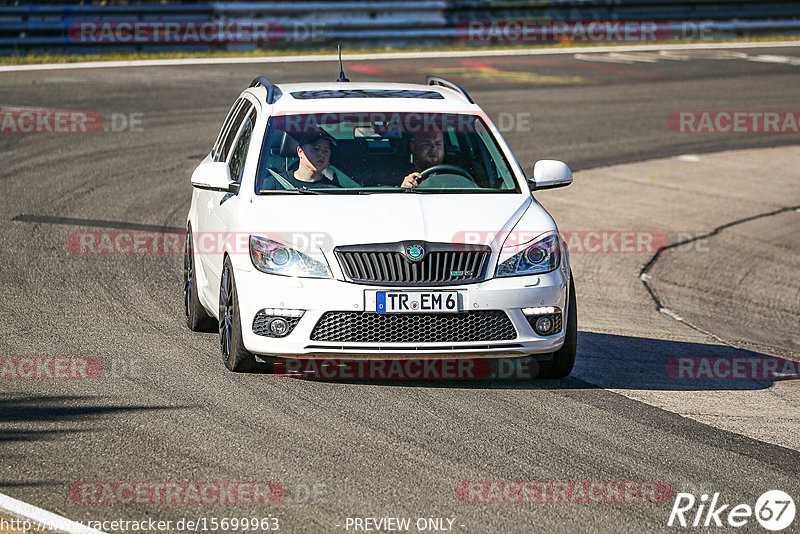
<point>416,302</point>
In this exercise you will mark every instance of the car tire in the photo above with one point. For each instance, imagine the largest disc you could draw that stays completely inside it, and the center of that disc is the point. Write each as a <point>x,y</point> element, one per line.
<point>234,355</point>
<point>563,359</point>
<point>197,317</point>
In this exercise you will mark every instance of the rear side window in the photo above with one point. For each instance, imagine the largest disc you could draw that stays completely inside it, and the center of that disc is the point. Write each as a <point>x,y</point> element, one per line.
<point>240,149</point>
<point>233,129</point>
<point>224,130</point>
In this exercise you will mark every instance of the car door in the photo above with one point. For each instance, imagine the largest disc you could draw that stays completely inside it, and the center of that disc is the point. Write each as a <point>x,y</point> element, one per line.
<point>204,198</point>
<point>206,241</point>
<point>223,206</point>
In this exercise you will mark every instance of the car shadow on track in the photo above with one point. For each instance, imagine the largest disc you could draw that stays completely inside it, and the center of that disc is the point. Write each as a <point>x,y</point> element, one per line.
<point>44,417</point>
<point>603,361</point>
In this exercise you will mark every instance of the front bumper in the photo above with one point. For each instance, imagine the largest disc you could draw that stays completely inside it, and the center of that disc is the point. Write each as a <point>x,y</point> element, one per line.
<point>257,290</point>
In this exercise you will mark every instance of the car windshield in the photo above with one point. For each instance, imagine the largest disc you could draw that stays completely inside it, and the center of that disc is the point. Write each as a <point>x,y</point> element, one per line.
<point>361,153</point>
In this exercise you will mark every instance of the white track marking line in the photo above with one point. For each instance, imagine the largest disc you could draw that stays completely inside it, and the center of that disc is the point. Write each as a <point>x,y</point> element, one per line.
<point>671,314</point>
<point>788,60</point>
<point>12,107</point>
<point>390,55</point>
<point>46,520</point>
<point>671,55</point>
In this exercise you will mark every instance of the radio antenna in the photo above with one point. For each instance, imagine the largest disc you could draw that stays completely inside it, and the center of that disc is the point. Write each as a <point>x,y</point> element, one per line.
<point>341,69</point>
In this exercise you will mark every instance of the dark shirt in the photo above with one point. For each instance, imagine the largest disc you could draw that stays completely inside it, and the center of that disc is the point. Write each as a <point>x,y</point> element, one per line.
<point>271,184</point>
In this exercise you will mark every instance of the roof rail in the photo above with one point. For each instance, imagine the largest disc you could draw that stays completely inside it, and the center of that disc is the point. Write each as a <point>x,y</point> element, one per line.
<point>436,80</point>
<point>273,93</point>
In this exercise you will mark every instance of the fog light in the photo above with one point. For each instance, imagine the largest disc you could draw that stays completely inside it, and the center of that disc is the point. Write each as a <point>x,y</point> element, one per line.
<point>279,326</point>
<point>276,322</point>
<point>543,325</point>
<point>544,320</point>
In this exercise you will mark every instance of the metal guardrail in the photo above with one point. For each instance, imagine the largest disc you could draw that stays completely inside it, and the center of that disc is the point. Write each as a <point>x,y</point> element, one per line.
<point>317,8</point>
<point>68,28</point>
<point>675,10</point>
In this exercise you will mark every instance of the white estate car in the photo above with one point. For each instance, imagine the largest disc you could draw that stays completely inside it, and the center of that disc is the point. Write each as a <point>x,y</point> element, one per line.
<point>360,262</point>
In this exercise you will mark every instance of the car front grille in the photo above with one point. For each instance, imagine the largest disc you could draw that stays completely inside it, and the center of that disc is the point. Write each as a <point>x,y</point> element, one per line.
<point>362,327</point>
<point>388,264</point>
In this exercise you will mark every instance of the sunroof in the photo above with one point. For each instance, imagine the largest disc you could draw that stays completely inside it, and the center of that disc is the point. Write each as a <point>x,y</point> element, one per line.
<point>366,93</point>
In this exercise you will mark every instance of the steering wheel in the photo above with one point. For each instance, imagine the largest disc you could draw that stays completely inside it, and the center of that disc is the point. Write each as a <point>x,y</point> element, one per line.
<point>451,169</point>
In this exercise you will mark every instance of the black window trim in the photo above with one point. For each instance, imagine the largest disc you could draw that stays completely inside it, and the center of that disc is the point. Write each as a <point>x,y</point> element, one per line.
<point>253,112</point>
<point>234,130</point>
<point>225,125</point>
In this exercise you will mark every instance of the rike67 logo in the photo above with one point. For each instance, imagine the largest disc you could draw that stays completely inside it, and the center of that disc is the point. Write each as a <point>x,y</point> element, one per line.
<point>774,510</point>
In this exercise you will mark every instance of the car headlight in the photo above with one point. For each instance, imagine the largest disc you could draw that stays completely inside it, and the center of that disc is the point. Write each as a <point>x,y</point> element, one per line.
<point>276,258</point>
<point>541,257</point>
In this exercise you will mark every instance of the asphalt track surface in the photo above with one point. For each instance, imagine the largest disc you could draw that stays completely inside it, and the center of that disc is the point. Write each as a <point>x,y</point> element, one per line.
<point>170,412</point>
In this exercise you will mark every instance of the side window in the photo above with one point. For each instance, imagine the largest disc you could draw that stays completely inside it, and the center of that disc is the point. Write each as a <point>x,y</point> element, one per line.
<point>230,136</point>
<point>225,125</point>
<point>240,150</point>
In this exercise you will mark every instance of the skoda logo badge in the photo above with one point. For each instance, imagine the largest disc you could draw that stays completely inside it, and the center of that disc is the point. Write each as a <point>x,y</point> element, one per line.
<point>415,252</point>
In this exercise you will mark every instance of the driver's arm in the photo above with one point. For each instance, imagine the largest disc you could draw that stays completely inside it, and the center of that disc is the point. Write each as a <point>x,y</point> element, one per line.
<point>412,180</point>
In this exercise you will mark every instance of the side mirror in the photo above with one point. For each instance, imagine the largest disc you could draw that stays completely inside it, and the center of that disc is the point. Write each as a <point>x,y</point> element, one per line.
<point>549,174</point>
<point>214,176</point>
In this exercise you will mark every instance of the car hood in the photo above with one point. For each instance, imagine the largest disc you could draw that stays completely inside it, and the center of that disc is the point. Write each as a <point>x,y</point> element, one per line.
<point>336,220</point>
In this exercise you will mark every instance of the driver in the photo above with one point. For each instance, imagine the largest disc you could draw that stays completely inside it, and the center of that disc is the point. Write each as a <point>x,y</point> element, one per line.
<point>427,149</point>
<point>314,154</point>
